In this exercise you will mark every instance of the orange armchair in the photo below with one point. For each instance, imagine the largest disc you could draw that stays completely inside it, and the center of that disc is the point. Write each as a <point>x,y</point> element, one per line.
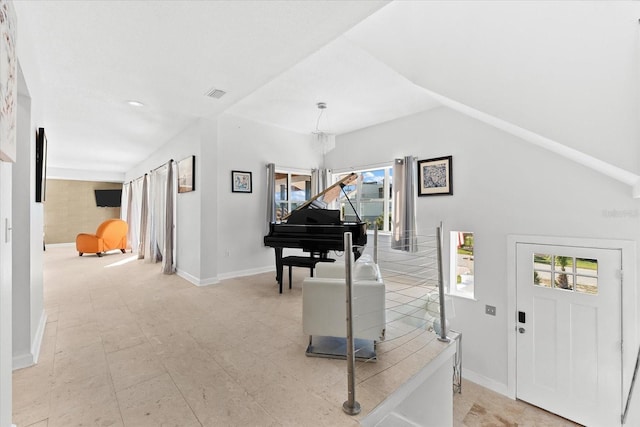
<point>111,234</point>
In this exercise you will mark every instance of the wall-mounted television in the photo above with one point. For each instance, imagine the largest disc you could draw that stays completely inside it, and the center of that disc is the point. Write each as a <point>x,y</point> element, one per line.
<point>41,165</point>
<point>108,198</point>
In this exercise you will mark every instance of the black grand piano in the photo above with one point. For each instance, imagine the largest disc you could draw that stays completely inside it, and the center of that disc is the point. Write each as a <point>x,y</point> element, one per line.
<point>315,229</point>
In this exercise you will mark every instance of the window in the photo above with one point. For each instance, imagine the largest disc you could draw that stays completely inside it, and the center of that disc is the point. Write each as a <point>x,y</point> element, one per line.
<point>292,189</point>
<point>566,273</point>
<point>371,198</point>
<point>462,264</point>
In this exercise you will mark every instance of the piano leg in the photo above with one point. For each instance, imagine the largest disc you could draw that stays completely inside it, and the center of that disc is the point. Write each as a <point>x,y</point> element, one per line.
<point>279,267</point>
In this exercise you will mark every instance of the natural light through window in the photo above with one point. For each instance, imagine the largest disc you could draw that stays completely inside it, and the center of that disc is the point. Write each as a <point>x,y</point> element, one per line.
<point>371,197</point>
<point>292,189</point>
<point>461,281</point>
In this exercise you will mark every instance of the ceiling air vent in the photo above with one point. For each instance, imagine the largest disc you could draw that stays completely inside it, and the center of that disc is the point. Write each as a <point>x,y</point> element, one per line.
<point>215,93</point>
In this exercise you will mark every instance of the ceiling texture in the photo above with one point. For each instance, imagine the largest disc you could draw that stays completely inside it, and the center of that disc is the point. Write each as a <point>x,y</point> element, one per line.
<point>562,75</point>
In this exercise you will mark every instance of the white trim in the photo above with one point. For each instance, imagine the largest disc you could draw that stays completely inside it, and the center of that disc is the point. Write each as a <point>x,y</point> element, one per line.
<point>195,280</point>
<point>242,273</point>
<point>363,168</point>
<point>22,361</point>
<point>486,382</point>
<point>630,304</point>
<point>288,170</point>
<point>215,280</point>
<point>60,245</point>
<point>31,358</point>
<point>37,339</point>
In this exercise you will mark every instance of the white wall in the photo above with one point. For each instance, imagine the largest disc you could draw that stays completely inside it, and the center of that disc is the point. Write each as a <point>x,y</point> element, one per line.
<point>212,221</point>
<point>250,146</point>
<point>188,237</point>
<point>502,186</point>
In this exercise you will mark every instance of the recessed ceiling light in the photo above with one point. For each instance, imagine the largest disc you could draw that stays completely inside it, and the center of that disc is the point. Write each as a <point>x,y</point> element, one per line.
<point>135,103</point>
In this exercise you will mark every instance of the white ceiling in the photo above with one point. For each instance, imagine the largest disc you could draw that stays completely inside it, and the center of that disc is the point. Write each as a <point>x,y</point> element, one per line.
<point>562,74</point>
<point>91,57</point>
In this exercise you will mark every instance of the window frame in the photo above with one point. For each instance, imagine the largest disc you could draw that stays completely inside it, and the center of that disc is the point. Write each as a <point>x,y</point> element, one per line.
<point>387,199</point>
<point>289,172</point>
<point>452,289</point>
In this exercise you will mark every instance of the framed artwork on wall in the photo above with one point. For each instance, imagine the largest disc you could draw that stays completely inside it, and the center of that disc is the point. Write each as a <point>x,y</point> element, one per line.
<point>8,82</point>
<point>187,175</point>
<point>241,182</point>
<point>435,176</point>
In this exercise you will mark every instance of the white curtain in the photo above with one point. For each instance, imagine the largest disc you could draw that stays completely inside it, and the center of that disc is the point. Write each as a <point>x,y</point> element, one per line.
<point>126,210</point>
<point>271,196</point>
<point>144,219</point>
<point>134,219</point>
<point>404,204</point>
<point>162,195</point>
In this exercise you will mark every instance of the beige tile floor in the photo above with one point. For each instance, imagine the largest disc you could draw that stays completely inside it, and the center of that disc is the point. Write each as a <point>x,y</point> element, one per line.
<point>127,346</point>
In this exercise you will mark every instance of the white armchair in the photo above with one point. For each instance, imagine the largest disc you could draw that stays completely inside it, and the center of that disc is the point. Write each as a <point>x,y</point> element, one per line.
<point>324,310</point>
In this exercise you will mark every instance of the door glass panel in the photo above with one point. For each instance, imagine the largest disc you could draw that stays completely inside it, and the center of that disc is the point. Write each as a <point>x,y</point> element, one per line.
<point>587,266</point>
<point>564,263</point>
<point>587,275</point>
<point>542,261</point>
<point>563,280</point>
<point>587,285</point>
<point>542,278</point>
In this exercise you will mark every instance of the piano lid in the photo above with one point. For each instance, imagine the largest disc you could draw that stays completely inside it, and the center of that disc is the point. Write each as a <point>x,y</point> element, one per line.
<point>321,200</point>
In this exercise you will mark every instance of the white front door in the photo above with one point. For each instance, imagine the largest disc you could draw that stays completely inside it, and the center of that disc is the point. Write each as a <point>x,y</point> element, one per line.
<point>569,331</point>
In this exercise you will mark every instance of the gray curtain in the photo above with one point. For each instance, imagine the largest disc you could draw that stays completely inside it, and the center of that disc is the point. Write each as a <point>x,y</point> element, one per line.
<point>319,181</point>
<point>144,213</point>
<point>271,196</point>
<point>403,235</point>
<point>167,259</point>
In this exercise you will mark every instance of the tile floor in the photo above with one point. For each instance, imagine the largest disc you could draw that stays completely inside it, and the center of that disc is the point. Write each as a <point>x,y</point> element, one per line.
<point>127,346</point>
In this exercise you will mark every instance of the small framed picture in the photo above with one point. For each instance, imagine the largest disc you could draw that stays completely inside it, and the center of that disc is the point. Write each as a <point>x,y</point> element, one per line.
<point>435,176</point>
<point>241,182</point>
<point>186,174</point>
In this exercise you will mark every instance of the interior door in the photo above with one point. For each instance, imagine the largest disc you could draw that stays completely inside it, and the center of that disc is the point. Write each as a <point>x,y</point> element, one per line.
<point>569,331</point>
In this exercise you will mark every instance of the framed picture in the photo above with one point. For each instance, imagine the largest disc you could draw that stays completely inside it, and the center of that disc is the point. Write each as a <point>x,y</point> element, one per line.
<point>241,182</point>
<point>187,175</point>
<point>435,176</point>
<point>8,82</point>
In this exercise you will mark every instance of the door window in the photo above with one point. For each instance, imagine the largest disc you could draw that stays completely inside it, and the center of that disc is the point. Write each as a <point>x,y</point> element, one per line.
<point>566,273</point>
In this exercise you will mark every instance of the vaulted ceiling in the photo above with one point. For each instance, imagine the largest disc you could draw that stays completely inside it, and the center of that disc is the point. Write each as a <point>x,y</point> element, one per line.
<point>563,75</point>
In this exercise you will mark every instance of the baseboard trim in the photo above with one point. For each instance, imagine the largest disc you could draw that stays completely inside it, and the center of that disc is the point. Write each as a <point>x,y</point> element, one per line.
<point>216,280</point>
<point>195,280</point>
<point>37,340</point>
<point>59,245</point>
<point>29,359</point>
<point>486,382</point>
<point>242,273</point>
<point>22,361</point>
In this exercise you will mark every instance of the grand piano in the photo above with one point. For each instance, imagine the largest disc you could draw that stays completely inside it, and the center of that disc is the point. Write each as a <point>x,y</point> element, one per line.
<point>315,229</point>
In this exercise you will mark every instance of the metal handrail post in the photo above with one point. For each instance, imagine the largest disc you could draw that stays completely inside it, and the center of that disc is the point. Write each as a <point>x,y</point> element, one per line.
<point>375,245</point>
<point>351,406</point>
<point>443,317</point>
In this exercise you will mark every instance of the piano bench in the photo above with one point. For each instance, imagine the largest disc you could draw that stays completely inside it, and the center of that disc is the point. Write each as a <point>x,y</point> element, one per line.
<point>301,261</point>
